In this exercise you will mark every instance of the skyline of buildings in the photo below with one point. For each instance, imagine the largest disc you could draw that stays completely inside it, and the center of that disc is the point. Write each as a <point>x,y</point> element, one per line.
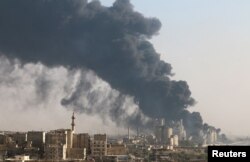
<point>65,144</point>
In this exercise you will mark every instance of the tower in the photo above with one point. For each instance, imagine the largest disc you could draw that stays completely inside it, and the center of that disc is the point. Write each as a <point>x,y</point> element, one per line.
<point>73,122</point>
<point>128,133</point>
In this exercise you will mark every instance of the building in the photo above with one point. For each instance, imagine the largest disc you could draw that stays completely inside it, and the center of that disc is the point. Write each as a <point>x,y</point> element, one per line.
<point>160,134</point>
<point>76,153</point>
<point>211,136</point>
<point>82,141</point>
<point>56,145</point>
<point>169,132</point>
<point>2,139</point>
<point>19,138</point>
<point>116,158</point>
<point>21,158</point>
<point>55,152</point>
<point>179,130</point>
<point>175,140</point>
<point>160,130</point>
<point>99,145</point>
<point>14,143</point>
<point>70,145</point>
<point>36,139</point>
<point>80,147</point>
<point>3,152</point>
<point>62,136</point>
<point>56,137</point>
<point>116,149</point>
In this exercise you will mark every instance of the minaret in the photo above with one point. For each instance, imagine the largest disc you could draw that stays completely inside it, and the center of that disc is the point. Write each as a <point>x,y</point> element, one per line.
<point>73,122</point>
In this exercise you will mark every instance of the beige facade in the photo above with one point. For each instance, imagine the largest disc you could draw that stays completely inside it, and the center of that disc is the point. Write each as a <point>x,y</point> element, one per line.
<point>82,141</point>
<point>176,140</point>
<point>99,145</point>
<point>56,137</point>
<point>3,150</point>
<point>169,132</point>
<point>56,145</point>
<point>76,153</point>
<point>55,151</point>
<point>70,134</point>
<point>116,149</point>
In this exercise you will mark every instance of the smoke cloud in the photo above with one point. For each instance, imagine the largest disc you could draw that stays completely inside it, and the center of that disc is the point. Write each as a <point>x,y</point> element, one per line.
<point>113,42</point>
<point>33,92</point>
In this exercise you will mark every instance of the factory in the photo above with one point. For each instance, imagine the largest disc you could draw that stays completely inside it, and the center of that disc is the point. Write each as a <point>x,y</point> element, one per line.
<point>170,134</point>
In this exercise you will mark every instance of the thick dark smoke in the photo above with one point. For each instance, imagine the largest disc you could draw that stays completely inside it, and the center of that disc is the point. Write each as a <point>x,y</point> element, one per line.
<point>111,41</point>
<point>103,101</point>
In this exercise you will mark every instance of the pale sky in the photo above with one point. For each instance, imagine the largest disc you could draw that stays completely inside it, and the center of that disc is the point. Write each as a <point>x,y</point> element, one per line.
<point>208,44</point>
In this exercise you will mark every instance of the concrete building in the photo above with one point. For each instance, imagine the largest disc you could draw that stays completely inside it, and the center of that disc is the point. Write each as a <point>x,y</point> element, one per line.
<point>36,139</point>
<point>116,149</point>
<point>2,139</point>
<point>58,141</point>
<point>55,152</point>
<point>56,137</point>
<point>211,136</point>
<point>180,130</point>
<point>117,158</point>
<point>3,152</point>
<point>35,144</point>
<point>80,147</point>
<point>160,130</point>
<point>99,145</point>
<point>169,132</point>
<point>175,140</point>
<point>56,145</point>
<point>19,138</point>
<point>62,136</point>
<point>76,153</point>
<point>70,145</point>
<point>82,141</point>
<point>69,134</point>
<point>160,134</point>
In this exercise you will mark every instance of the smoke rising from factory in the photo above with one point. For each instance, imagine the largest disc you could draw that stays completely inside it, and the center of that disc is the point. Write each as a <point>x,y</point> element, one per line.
<point>31,97</point>
<point>113,42</point>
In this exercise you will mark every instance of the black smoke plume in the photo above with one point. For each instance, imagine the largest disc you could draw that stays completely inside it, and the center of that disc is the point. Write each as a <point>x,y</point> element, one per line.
<point>111,41</point>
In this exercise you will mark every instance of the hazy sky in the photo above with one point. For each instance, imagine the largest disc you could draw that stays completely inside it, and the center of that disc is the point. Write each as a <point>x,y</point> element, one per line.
<point>208,44</point>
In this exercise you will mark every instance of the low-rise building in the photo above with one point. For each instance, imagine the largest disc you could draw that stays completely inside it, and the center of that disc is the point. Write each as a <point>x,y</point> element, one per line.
<point>76,153</point>
<point>55,152</point>
<point>116,149</point>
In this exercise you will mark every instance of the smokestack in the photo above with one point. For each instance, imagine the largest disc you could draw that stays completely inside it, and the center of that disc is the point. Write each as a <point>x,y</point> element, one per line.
<point>111,41</point>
